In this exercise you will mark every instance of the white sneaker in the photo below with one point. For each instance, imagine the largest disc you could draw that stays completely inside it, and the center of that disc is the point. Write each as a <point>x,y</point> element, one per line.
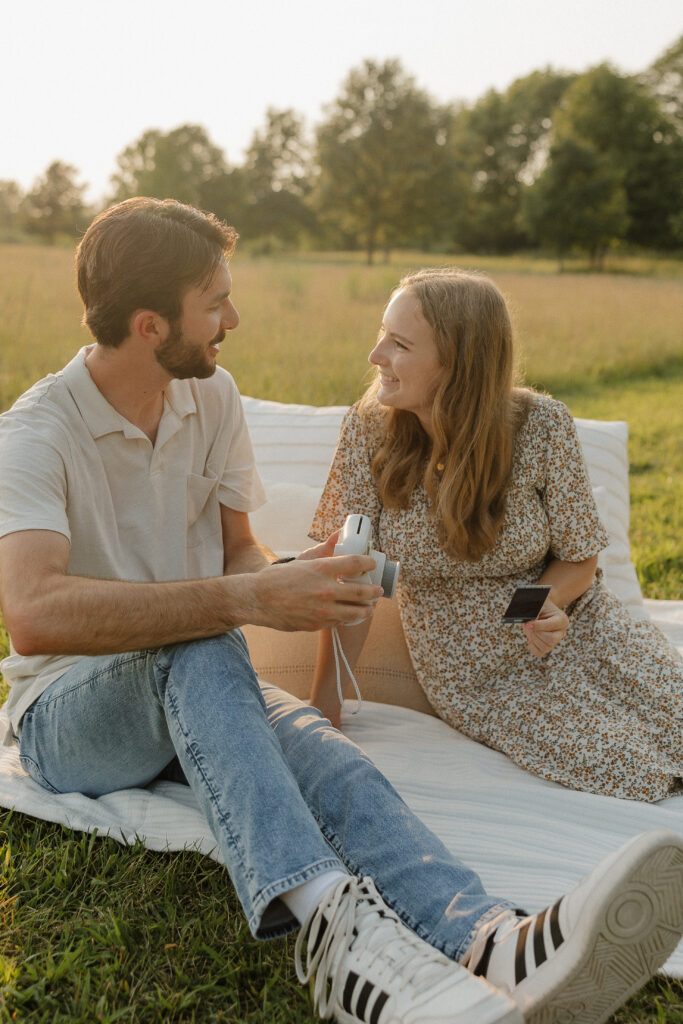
<point>580,959</point>
<point>369,967</point>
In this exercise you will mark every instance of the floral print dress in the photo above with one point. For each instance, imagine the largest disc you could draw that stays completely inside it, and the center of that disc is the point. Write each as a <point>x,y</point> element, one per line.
<point>603,711</point>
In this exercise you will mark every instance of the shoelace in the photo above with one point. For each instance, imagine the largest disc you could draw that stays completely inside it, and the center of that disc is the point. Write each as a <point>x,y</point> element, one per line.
<point>339,652</point>
<point>350,909</point>
<point>497,929</point>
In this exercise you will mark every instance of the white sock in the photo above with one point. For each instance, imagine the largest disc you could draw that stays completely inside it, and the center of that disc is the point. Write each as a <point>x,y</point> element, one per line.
<point>303,899</point>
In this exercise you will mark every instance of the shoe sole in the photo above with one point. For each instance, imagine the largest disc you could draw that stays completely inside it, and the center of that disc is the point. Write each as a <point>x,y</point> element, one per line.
<point>625,939</point>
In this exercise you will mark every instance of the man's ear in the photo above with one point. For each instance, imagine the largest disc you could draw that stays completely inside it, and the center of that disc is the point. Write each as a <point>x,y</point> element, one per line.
<point>149,326</point>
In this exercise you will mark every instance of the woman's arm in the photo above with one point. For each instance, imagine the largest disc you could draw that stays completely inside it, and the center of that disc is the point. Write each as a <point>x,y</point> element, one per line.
<point>568,580</point>
<point>324,694</point>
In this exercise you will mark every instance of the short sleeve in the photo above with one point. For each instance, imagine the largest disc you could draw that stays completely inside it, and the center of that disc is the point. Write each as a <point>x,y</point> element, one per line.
<point>350,487</point>
<point>576,532</point>
<point>33,495</point>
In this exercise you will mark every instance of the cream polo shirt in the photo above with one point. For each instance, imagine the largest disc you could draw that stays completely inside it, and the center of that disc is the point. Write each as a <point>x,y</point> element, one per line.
<point>131,510</point>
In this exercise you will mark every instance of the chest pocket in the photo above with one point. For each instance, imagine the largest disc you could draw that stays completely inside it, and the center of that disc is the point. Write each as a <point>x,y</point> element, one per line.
<point>203,510</point>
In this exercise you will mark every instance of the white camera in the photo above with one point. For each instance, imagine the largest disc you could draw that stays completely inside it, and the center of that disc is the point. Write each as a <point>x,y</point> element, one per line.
<point>356,539</point>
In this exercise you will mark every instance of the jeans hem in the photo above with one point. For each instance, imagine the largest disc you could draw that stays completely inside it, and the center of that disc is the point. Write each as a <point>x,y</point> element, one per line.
<point>492,912</point>
<point>265,897</point>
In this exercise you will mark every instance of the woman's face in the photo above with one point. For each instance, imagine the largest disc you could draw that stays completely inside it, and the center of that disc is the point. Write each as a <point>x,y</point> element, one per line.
<point>407,359</point>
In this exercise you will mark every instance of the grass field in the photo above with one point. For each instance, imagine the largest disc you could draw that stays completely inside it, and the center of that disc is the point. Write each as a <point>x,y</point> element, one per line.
<point>92,931</point>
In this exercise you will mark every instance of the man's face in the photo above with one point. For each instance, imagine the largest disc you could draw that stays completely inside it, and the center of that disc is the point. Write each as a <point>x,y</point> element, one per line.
<point>193,342</point>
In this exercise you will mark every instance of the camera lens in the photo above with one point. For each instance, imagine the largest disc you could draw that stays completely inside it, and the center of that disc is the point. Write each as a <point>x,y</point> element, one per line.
<point>389,577</point>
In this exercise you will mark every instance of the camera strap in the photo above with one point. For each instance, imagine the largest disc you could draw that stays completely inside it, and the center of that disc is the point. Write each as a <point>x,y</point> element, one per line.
<point>339,652</point>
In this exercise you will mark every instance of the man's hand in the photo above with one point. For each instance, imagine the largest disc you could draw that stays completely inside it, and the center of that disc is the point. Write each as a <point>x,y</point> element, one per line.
<point>307,594</point>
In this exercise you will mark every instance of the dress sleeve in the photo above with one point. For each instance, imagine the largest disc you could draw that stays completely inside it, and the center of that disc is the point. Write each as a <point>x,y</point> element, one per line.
<point>576,532</point>
<point>350,487</point>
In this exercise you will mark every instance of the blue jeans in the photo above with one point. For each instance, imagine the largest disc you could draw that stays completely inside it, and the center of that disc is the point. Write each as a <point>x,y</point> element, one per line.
<point>286,795</point>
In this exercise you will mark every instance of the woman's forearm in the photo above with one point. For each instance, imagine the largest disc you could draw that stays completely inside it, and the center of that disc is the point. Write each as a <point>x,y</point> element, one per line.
<point>568,580</point>
<point>324,693</point>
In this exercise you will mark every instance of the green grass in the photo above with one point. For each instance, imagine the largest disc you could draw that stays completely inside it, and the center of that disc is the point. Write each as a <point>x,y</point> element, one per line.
<point>653,408</point>
<point>93,931</point>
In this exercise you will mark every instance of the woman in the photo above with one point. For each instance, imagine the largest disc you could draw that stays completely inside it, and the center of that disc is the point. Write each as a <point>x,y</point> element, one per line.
<point>477,486</point>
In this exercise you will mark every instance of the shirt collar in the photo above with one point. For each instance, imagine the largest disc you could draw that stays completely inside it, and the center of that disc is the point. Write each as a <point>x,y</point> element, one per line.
<point>102,418</point>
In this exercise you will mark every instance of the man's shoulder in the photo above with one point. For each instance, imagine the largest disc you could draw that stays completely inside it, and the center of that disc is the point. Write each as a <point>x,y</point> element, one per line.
<point>46,404</point>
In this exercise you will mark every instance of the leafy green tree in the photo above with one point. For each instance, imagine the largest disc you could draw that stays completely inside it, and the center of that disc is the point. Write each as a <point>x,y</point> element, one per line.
<point>578,200</point>
<point>180,164</point>
<point>664,81</point>
<point>617,116</point>
<point>277,179</point>
<point>381,157</point>
<point>55,205</point>
<point>498,144</point>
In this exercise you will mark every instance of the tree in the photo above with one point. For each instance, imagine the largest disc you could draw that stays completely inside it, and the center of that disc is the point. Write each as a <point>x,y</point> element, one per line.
<point>578,200</point>
<point>500,144</point>
<point>617,116</point>
<point>664,82</point>
<point>11,198</point>
<point>181,164</point>
<point>55,204</point>
<point>381,159</point>
<point>277,179</point>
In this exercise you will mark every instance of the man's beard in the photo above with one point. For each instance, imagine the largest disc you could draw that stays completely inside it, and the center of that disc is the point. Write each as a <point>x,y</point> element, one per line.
<point>182,359</point>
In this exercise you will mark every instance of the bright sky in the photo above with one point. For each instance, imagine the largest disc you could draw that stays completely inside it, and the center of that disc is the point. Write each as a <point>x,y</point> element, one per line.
<point>81,79</point>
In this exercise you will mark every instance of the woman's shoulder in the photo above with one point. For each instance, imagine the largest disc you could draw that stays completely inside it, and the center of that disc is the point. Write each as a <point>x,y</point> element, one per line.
<point>365,419</point>
<point>545,413</point>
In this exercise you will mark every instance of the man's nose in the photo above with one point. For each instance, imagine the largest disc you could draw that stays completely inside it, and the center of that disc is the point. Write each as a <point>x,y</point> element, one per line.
<point>231,318</point>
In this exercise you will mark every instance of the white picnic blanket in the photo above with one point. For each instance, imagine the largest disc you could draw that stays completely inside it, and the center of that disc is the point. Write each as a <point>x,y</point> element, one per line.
<point>530,840</point>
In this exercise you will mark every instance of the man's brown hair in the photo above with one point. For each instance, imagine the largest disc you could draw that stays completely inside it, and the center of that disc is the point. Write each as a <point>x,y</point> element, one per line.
<point>145,254</point>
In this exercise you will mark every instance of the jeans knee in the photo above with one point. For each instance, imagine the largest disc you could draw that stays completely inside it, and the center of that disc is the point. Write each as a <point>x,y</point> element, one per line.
<point>202,664</point>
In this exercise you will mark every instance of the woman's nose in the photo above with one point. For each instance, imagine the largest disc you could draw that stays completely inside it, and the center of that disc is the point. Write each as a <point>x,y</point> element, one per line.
<point>377,356</point>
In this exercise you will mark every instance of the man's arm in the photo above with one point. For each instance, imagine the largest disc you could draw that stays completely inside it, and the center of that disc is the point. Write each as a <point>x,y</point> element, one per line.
<point>48,611</point>
<point>241,551</point>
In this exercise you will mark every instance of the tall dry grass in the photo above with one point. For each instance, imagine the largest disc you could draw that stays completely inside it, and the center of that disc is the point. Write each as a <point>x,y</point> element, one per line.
<point>308,325</point>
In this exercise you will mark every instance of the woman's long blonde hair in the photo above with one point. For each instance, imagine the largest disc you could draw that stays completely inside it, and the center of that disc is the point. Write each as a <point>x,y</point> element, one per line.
<point>476,413</point>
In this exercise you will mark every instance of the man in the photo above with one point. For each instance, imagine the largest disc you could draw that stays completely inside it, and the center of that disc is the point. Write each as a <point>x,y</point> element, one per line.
<point>127,566</point>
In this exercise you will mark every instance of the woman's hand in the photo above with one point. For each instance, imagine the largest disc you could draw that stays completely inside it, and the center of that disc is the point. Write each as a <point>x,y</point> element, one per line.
<point>546,631</point>
<point>324,550</point>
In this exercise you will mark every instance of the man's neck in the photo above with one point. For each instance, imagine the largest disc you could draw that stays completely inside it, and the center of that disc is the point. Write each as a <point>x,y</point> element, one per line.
<point>133,384</point>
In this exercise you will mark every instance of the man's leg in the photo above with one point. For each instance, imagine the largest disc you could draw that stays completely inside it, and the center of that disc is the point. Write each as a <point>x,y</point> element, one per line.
<point>577,960</point>
<point>115,722</point>
<point>376,834</point>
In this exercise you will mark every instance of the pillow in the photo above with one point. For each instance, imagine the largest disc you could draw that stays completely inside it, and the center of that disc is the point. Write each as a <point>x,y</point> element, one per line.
<point>384,671</point>
<point>293,443</point>
<point>605,448</point>
<point>284,521</point>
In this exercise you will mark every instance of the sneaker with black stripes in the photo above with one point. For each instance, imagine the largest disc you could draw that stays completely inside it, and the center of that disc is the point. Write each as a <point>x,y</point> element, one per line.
<point>370,968</point>
<point>577,961</point>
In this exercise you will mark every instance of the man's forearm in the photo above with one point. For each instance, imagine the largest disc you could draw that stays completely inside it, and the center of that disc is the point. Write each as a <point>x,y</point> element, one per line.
<point>48,611</point>
<point>250,558</point>
<point>84,616</point>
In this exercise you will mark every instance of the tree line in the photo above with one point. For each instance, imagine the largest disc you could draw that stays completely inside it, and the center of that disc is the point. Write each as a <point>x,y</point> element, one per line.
<point>558,161</point>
